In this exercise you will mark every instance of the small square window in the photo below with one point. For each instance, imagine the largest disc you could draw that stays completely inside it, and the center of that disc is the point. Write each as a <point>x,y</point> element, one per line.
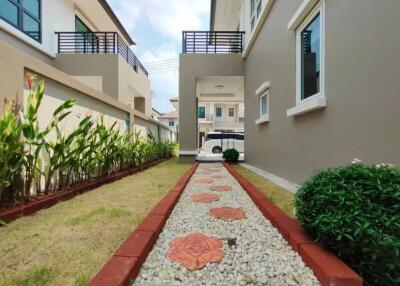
<point>202,112</point>
<point>171,123</point>
<point>218,111</point>
<point>231,112</point>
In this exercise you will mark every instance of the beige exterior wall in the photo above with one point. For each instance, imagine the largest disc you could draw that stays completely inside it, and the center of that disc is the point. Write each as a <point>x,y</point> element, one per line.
<point>193,66</point>
<point>56,93</point>
<point>160,132</point>
<point>84,66</point>
<point>133,84</point>
<point>362,65</point>
<point>118,78</point>
<point>14,63</point>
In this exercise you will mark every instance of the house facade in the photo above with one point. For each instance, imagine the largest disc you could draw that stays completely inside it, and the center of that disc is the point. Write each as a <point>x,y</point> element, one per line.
<point>170,119</point>
<point>82,51</point>
<point>216,114</point>
<point>320,81</point>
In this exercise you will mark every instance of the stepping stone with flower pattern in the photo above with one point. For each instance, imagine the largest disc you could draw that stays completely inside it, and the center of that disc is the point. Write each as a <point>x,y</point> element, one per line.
<point>218,177</point>
<point>221,188</point>
<point>195,250</point>
<point>228,213</point>
<point>204,181</point>
<point>204,198</point>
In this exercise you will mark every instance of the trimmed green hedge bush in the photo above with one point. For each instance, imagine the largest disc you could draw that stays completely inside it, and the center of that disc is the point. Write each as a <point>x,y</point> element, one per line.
<point>231,155</point>
<point>354,211</point>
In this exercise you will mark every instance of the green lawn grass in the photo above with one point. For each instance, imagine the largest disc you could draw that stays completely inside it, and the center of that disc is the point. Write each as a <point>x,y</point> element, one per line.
<point>279,196</point>
<point>68,243</point>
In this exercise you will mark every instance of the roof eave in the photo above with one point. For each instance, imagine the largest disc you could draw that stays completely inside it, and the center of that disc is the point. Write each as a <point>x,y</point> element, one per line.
<point>116,21</point>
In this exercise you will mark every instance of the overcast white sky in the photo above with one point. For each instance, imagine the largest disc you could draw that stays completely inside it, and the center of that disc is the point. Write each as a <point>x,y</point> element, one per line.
<point>156,26</point>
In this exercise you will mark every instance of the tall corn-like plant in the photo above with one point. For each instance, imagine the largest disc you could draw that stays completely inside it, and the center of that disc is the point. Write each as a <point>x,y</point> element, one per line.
<point>34,137</point>
<point>11,147</point>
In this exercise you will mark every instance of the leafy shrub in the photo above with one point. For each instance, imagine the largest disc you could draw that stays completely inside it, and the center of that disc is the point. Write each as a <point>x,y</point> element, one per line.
<point>231,155</point>
<point>92,150</point>
<point>355,212</point>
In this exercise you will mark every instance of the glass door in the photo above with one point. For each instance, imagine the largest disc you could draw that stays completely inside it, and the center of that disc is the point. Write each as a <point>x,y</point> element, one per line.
<point>85,41</point>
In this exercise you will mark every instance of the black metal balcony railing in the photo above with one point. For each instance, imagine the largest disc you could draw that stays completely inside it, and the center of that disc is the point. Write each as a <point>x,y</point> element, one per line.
<point>97,43</point>
<point>210,42</point>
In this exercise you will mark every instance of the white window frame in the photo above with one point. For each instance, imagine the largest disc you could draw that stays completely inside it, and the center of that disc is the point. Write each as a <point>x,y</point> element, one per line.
<point>266,95</point>
<point>263,91</point>
<point>317,100</point>
<point>318,9</point>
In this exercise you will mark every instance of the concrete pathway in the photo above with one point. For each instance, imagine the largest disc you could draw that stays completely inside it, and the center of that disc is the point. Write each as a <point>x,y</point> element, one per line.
<point>217,236</point>
<point>209,157</point>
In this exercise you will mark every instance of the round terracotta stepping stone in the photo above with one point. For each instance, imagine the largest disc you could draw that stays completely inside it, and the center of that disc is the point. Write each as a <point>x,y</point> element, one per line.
<point>228,213</point>
<point>204,181</point>
<point>195,250</point>
<point>204,198</point>
<point>221,188</point>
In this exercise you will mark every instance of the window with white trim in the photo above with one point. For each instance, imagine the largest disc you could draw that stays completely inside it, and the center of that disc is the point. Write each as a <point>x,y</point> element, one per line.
<point>264,101</point>
<point>310,56</point>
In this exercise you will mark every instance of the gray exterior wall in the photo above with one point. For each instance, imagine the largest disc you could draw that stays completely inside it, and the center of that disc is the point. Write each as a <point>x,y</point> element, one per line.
<point>362,86</point>
<point>192,66</point>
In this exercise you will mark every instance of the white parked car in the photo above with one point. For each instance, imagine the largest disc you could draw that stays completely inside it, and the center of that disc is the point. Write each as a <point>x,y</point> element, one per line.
<point>216,142</point>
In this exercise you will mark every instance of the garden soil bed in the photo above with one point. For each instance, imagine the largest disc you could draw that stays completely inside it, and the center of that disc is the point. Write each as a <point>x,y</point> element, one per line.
<point>25,209</point>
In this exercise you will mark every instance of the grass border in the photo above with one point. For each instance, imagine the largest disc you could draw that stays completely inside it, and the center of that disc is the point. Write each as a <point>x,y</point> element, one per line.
<point>125,264</point>
<point>26,209</point>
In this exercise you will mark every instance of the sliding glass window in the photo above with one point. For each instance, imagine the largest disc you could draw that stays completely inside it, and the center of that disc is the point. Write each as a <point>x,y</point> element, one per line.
<point>25,15</point>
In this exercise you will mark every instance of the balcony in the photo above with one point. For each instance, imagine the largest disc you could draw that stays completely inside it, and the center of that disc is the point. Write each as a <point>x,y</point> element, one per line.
<point>97,43</point>
<point>210,42</point>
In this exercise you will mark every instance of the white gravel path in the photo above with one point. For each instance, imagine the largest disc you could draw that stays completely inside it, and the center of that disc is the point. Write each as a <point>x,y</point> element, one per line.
<point>261,256</point>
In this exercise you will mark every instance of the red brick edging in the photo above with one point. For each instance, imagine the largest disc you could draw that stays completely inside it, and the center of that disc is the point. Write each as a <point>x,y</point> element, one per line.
<point>329,269</point>
<point>126,262</point>
<point>48,201</point>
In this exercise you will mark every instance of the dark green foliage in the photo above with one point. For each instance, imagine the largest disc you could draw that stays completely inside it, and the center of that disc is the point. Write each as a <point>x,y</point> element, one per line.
<point>231,155</point>
<point>355,212</point>
<point>93,149</point>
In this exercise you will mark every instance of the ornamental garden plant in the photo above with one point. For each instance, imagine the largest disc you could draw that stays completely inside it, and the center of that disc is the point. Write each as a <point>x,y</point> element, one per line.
<point>354,211</point>
<point>231,155</point>
<point>90,151</point>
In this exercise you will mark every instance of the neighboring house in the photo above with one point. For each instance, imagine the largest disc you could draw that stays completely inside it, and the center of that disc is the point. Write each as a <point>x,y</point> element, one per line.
<point>83,52</point>
<point>320,81</point>
<point>220,115</point>
<point>170,119</point>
